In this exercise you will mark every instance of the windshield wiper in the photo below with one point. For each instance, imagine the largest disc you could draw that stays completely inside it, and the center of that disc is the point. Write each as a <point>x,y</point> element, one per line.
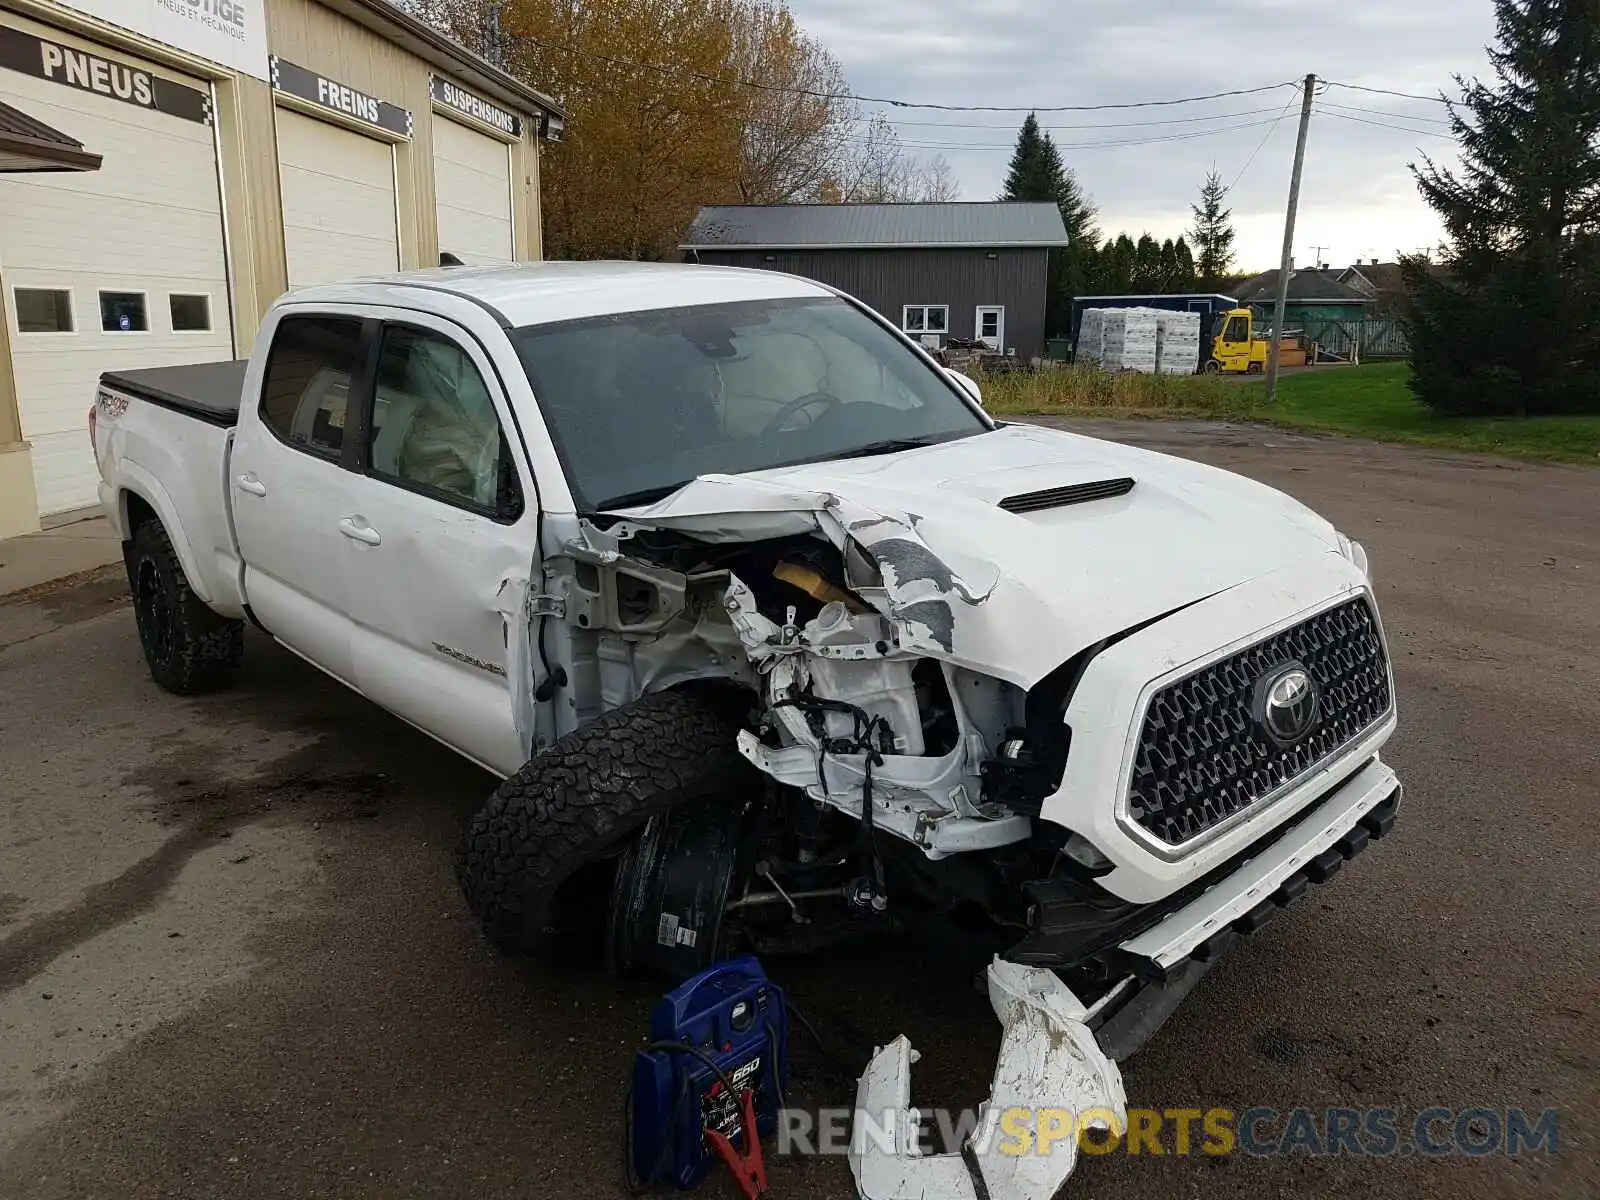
<point>895,445</point>
<point>647,495</point>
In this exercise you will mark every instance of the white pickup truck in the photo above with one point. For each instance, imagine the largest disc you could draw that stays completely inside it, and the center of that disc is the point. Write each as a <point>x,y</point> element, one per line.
<point>774,636</point>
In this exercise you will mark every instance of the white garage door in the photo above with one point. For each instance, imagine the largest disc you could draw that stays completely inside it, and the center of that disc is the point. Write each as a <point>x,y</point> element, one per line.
<point>338,201</point>
<point>473,180</point>
<point>118,268</point>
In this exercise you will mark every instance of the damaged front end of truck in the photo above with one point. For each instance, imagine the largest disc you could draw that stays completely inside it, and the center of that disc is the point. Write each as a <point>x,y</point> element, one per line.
<point>955,725</point>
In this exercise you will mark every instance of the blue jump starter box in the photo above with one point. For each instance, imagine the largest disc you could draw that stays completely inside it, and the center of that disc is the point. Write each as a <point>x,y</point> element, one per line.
<point>739,1019</point>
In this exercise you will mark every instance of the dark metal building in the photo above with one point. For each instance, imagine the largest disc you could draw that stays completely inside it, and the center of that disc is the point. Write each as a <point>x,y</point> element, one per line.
<point>974,271</point>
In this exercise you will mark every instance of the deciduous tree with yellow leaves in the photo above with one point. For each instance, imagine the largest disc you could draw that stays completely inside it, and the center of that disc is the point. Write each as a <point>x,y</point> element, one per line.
<point>673,104</point>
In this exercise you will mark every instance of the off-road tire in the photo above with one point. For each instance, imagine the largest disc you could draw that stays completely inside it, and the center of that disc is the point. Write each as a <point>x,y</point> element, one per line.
<point>578,801</point>
<point>189,648</point>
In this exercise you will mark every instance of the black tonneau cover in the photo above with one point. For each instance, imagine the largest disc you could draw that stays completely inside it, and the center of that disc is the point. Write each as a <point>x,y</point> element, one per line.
<point>209,391</point>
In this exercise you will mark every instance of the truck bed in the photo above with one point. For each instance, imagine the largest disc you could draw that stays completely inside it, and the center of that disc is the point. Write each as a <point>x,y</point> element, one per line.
<point>208,391</point>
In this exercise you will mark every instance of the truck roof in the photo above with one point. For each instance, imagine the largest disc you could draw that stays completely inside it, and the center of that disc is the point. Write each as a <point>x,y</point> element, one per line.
<point>539,293</point>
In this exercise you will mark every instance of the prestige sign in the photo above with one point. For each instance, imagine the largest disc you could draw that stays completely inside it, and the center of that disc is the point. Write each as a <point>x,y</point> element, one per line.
<point>458,99</point>
<point>230,32</point>
<point>340,98</point>
<point>108,77</point>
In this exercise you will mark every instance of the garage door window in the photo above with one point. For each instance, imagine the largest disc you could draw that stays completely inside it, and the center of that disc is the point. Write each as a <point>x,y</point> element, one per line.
<point>434,425</point>
<point>190,314</point>
<point>306,395</point>
<point>43,310</point>
<point>124,312</point>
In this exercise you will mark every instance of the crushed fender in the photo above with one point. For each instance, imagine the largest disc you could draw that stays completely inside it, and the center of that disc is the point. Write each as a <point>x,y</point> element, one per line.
<point>1049,1063</point>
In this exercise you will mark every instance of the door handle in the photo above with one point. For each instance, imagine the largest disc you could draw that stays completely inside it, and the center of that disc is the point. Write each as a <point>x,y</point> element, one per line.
<point>358,530</point>
<point>249,483</point>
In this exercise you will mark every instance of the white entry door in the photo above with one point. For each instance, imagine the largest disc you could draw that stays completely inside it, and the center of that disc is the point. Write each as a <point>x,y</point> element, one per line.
<point>991,325</point>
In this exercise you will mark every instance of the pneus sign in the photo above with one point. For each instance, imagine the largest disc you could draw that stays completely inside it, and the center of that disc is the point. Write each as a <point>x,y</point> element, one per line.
<point>109,77</point>
<point>340,98</point>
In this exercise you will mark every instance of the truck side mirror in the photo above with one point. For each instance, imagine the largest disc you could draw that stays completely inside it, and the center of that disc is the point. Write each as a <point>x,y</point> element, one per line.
<point>967,384</point>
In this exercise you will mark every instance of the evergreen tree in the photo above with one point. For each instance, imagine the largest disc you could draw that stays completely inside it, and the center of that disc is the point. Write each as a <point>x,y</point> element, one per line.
<point>1171,275</point>
<point>1147,264</point>
<point>1037,173</point>
<point>1118,258</point>
<point>1512,323</point>
<point>1212,233</point>
<point>1185,279</point>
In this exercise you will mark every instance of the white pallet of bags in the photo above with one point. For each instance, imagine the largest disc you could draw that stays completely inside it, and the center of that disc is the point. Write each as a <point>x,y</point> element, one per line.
<point>1091,331</point>
<point>1129,340</point>
<point>1177,343</point>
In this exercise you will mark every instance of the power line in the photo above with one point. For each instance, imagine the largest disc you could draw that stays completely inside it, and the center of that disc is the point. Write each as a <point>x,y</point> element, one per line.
<point>1379,112</point>
<point>1098,145</point>
<point>1251,112</point>
<point>890,101</point>
<point>1356,87</point>
<point>1262,144</point>
<point>1386,125</point>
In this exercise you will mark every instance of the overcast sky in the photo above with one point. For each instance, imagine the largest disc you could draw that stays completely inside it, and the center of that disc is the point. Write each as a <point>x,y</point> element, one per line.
<point>1358,199</point>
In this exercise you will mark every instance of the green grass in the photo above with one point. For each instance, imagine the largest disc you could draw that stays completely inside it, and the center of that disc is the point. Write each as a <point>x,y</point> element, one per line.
<point>1370,401</point>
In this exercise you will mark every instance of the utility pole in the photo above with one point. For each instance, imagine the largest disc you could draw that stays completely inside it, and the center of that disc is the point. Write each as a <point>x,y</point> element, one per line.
<point>1288,240</point>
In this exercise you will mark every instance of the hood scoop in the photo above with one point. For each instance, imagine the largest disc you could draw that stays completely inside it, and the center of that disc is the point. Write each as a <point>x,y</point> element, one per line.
<point>1060,497</point>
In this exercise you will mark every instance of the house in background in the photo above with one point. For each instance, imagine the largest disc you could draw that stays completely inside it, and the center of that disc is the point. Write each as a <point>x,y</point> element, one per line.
<point>1381,282</point>
<point>1316,297</point>
<point>964,270</point>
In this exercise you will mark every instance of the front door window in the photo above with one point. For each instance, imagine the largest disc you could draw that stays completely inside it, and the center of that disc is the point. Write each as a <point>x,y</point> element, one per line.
<point>991,326</point>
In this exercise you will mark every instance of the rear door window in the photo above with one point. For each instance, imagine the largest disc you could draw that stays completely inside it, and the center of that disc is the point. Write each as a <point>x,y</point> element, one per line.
<point>305,399</point>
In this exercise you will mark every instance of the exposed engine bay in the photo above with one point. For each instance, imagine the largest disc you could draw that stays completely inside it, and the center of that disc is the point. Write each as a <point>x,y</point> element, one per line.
<point>899,784</point>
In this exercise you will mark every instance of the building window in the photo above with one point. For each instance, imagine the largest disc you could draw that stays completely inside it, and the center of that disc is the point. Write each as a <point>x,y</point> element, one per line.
<point>43,310</point>
<point>926,318</point>
<point>190,314</point>
<point>123,312</point>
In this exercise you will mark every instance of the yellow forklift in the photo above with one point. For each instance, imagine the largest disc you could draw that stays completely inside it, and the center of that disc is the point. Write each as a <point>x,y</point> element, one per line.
<point>1235,350</point>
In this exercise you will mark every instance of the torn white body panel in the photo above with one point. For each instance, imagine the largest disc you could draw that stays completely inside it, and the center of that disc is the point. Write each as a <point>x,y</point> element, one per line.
<point>1050,1075</point>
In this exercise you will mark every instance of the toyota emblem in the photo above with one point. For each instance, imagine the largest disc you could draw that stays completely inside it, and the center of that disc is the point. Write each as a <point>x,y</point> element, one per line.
<point>1287,703</point>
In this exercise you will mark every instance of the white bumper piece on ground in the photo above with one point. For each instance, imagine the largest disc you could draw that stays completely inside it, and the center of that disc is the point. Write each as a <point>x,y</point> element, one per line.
<point>1049,1064</point>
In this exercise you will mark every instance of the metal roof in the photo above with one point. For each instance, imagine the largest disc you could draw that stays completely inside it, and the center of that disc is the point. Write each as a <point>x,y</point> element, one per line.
<point>1306,286</point>
<point>874,226</point>
<point>27,144</point>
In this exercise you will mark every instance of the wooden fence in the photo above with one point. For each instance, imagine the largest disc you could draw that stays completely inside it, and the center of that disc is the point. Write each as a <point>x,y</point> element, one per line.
<point>1362,340</point>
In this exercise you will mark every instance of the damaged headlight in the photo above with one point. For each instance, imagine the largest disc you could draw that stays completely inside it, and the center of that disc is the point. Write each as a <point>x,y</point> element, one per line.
<point>1356,553</point>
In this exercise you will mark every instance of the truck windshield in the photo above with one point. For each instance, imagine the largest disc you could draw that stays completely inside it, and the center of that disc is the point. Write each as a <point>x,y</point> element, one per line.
<point>641,403</point>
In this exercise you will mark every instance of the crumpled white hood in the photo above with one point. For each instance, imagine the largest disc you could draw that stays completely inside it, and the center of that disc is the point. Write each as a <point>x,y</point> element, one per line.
<point>1015,595</point>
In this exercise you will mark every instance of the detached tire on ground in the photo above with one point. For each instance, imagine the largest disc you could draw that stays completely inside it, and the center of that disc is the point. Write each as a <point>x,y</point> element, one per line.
<point>189,648</point>
<point>571,806</point>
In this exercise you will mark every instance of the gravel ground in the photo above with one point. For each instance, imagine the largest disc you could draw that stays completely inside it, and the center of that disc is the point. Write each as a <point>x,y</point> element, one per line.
<point>233,960</point>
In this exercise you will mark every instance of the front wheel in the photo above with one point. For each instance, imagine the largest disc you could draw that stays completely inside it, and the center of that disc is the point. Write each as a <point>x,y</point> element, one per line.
<point>189,648</point>
<point>1212,367</point>
<point>578,803</point>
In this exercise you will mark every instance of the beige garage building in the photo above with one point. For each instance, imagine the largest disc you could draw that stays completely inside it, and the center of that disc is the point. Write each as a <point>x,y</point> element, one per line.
<point>169,167</point>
